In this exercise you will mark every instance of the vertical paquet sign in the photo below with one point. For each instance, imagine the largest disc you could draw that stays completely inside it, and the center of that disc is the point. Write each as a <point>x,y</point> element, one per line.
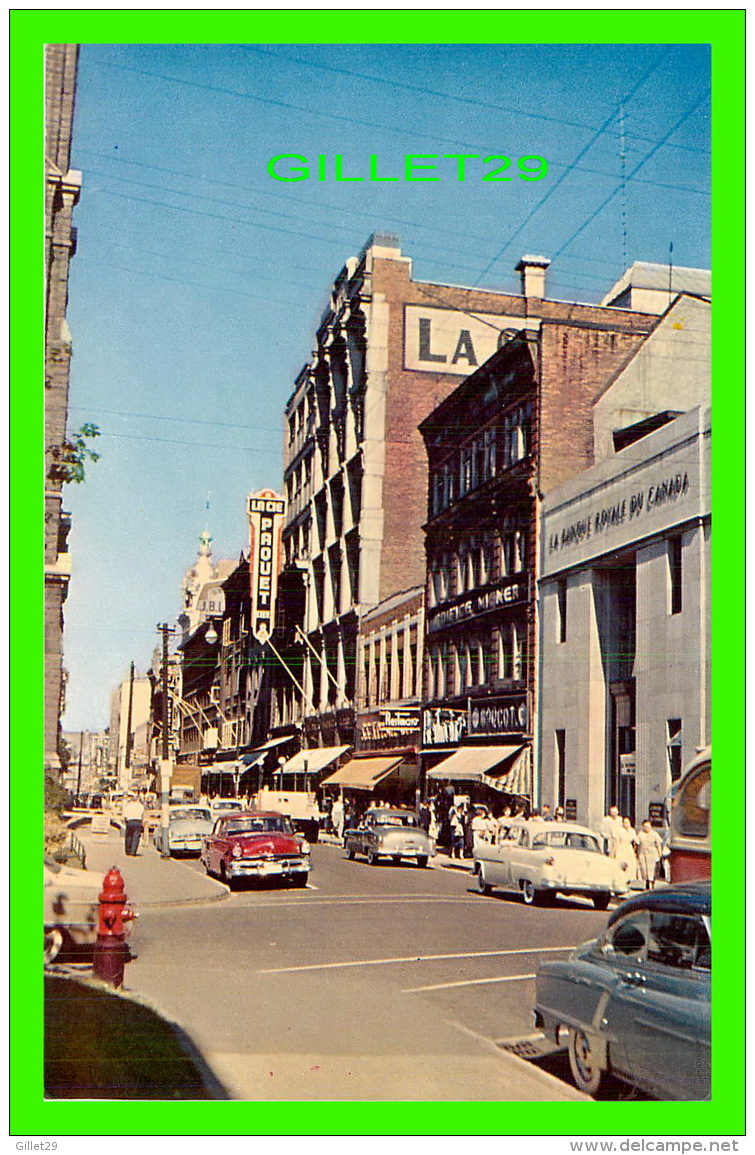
<point>266,510</point>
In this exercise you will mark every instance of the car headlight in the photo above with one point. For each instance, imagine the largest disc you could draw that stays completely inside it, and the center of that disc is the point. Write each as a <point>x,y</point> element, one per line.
<point>304,846</point>
<point>236,851</point>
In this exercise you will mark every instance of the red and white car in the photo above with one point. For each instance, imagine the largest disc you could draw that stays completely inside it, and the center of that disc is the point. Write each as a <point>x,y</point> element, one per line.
<point>258,845</point>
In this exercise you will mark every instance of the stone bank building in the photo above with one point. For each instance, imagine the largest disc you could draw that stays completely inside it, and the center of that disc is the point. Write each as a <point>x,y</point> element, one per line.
<point>625,588</point>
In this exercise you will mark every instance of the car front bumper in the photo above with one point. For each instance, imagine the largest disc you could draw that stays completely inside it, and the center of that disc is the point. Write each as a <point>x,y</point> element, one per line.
<point>268,868</point>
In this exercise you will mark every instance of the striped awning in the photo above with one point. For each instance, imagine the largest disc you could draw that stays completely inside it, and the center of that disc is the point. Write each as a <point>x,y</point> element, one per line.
<point>507,768</point>
<point>363,773</point>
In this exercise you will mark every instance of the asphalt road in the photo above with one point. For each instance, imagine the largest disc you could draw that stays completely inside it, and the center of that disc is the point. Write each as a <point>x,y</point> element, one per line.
<point>384,982</point>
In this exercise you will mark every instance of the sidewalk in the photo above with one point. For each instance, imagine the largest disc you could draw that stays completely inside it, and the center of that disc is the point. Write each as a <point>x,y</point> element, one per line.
<point>150,880</point>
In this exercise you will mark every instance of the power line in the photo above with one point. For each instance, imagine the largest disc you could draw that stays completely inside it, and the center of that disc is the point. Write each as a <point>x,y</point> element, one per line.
<point>653,151</point>
<point>625,100</point>
<point>332,115</point>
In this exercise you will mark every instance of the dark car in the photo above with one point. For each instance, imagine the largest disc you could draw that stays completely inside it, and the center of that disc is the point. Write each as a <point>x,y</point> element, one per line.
<point>636,1001</point>
<point>256,845</point>
<point>392,834</point>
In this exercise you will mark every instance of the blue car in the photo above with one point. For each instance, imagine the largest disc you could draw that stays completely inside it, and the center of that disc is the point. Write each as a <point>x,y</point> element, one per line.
<point>636,1001</point>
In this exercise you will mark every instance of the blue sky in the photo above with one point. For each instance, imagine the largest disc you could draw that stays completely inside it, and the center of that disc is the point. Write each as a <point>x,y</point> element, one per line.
<point>199,280</point>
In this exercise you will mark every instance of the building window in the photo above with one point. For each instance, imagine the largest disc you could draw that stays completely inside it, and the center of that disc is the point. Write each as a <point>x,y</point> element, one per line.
<point>561,765</point>
<point>675,574</point>
<point>561,610</point>
<point>517,656</point>
<point>674,747</point>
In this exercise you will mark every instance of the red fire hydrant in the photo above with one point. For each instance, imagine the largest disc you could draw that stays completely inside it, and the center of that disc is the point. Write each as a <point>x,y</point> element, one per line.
<point>110,949</point>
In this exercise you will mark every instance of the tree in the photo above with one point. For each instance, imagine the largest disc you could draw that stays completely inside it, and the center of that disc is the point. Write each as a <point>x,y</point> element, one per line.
<point>68,460</point>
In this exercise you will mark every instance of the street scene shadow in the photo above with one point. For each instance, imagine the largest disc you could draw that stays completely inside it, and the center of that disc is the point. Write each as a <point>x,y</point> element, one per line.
<point>101,1045</point>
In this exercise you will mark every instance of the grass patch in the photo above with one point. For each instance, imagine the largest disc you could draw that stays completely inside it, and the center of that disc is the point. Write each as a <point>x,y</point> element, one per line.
<point>100,1045</point>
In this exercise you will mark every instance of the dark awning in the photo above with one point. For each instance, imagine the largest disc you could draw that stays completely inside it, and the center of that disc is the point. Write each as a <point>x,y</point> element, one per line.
<point>363,773</point>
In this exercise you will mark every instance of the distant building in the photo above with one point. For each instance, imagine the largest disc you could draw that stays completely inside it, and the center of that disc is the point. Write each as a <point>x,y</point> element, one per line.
<point>203,587</point>
<point>62,188</point>
<point>129,750</point>
<point>88,759</point>
<point>652,288</point>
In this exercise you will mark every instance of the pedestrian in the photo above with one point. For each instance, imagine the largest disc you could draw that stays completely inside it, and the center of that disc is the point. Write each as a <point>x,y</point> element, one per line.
<point>546,814</point>
<point>336,817</point>
<point>423,817</point>
<point>133,816</point>
<point>649,854</point>
<point>610,828</point>
<point>479,826</point>
<point>457,832</point>
<point>466,818</point>
<point>434,828</point>
<point>625,846</point>
<point>559,815</point>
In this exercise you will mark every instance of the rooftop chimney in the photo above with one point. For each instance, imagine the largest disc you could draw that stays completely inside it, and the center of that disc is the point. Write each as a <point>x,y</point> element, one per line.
<point>532,270</point>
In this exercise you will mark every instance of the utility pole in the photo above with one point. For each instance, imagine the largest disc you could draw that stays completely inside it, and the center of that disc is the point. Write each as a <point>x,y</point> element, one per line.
<point>78,776</point>
<point>166,766</point>
<point>129,719</point>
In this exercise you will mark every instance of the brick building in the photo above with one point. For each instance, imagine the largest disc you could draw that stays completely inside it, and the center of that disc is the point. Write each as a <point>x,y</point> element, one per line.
<point>517,427</point>
<point>389,349</point>
<point>62,187</point>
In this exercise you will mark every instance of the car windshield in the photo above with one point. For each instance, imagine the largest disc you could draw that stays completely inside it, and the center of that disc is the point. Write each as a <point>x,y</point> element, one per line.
<point>272,824</point>
<point>227,804</point>
<point>190,814</point>
<point>568,840</point>
<point>395,820</point>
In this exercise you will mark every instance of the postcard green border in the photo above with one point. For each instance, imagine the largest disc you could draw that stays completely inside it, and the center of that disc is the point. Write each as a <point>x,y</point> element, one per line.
<point>724,31</point>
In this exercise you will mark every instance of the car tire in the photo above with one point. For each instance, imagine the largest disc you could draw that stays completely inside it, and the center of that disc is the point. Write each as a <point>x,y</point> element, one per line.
<point>371,857</point>
<point>349,852</point>
<point>586,1071</point>
<point>531,896</point>
<point>601,901</point>
<point>483,885</point>
<point>299,880</point>
<point>396,859</point>
<point>226,878</point>
<point>422,860</point>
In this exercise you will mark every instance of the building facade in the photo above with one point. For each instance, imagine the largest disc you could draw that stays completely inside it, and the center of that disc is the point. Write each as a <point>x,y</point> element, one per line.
<point>389,349</point>
<point>517,427</point>
<point>625,625</point>
<point>62,188</point>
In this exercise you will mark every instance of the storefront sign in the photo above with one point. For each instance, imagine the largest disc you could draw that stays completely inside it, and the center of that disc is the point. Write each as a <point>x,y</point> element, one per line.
<point>628,508</point>
<point>266,510</point>
<point>505,593</point>
<point>390,726</point>
<point>570,809</point>
<point>507,714</point>
<point>440,340</point>
<point>657,814</point>
<point>441,727</point>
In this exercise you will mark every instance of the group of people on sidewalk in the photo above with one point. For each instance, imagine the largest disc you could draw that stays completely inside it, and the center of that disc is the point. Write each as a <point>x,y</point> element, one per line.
<point>644,850</point>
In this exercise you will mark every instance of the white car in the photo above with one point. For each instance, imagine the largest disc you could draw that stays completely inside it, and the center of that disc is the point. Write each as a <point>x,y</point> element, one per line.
<point>72,901</point>
<point>540,859</point>
<point>220,806</point>
<point>188,826</point>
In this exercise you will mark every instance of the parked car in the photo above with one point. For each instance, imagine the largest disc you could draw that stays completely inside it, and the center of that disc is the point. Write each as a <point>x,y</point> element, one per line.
<point>542,859</point>
<point>392,834</point>
<point>257,845</point>
<point>188,826</point>
<point>220,806</point>
<point>71,909</point>
<point>636,1001</point>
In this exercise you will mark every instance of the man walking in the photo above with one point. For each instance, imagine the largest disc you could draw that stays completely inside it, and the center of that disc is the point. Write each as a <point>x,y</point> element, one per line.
<point>133,816</point>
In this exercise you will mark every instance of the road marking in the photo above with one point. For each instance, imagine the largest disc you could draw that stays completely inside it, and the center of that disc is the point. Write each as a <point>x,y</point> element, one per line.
<point>468,983</point>
<point>371,962</point>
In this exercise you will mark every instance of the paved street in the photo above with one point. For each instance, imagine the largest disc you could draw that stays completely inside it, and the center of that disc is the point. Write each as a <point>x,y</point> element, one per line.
<point>386,982</point>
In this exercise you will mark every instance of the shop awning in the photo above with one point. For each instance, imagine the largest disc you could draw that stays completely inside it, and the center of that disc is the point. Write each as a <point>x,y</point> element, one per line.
<point>234,768</point>
<point>506,768</point>
<point>313,761</point>
<point>363,773</point>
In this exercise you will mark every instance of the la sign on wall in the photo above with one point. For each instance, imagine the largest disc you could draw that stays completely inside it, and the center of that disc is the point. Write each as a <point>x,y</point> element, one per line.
<point>449,341</point>
<point>266,511</point>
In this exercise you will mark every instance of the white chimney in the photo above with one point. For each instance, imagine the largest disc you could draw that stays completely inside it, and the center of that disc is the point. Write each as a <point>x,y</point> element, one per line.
<point>532,270</point>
